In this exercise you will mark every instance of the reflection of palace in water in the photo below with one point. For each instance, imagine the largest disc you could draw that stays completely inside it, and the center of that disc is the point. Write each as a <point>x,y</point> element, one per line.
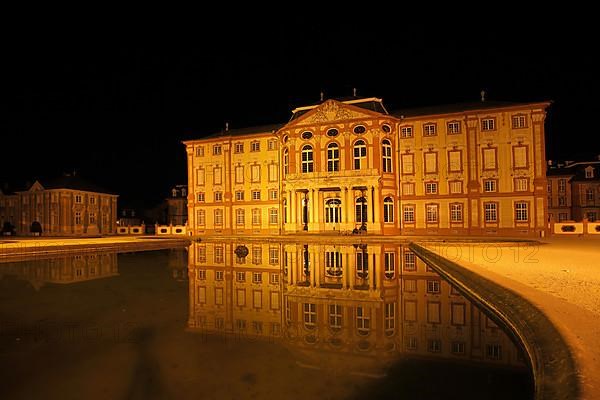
<point>377,301</point>
<point>62,270</point>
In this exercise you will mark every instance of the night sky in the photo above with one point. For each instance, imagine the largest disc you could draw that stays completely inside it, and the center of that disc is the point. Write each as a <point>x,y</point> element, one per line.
<point>115,110</point>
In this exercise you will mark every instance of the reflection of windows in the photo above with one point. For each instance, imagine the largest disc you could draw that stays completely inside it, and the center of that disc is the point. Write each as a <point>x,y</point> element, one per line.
<point>333,263</point>
<point>362,264</point>
<point>410,285</point>
<point>335,316</point>
<point>433,312</point>
<point>434,345</point>
<point>363,321</point>
<point>458,314</point>
<point>310,315</point>
<point>410,263</point>
<point>410,310</point>
<point>390,318</point>
<point>493,351</point>
<point>433,287</point>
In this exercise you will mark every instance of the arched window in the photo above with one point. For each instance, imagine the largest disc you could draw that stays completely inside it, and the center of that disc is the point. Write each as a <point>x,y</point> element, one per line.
<point>388,210</point>
<point>360,154</point>
<point>286,162</point>
<point>387,155</point>
<point>333,157</point>
<point>307,159</point>
<point>361,210</point>
<point>333,211</point>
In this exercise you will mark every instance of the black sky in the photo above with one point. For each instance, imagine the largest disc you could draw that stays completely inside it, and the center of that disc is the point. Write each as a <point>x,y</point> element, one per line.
<point>116,107</point>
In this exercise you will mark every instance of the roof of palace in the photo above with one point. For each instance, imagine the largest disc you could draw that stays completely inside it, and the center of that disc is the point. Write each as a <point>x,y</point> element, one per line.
<point>456,108</point>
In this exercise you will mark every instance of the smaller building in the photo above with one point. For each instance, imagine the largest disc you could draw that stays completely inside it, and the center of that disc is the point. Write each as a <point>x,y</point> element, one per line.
<point>177,205</point>
<point>574,190</point>
<point>65,206</point>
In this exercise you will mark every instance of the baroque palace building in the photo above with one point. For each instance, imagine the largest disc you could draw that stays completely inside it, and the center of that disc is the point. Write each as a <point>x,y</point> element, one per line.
<point>349,165</point>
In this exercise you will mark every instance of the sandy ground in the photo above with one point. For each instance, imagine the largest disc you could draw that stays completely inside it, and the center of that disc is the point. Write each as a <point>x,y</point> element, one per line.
<point>561,276</point>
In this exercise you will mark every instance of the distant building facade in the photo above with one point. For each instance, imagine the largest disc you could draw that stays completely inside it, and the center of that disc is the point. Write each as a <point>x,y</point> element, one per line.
<point>66,206</point>
<point>350,165</point>
<point>574,191</point>
<point>177,205</point>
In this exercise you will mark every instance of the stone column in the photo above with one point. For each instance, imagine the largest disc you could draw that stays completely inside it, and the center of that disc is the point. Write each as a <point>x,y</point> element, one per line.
<point>371,263</point>
<point>352,270</point>
<point>311,256</point>
<point>311,208</point>
<point>293,204</point>
<point>291,268</point>
<point>377,207</point>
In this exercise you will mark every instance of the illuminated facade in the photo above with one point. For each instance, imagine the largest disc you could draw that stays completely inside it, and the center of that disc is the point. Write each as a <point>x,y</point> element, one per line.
<point>326,304</point>
<point>64,207</point>
<point>352,166</point>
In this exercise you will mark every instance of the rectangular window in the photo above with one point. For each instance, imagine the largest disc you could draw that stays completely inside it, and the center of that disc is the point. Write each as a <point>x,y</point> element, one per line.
<point>217,150</point>
<point>219,296</point>
<point>494,351</point>
<point>363,320</point>
<point>240,276</point>
<point>201,294</point>
<point>490,212</point>
<point>239,148</point>
<point>408,164</point>
<point>410,261</point>
<point>458,314</point>
<point>200,197</point>
<point>202,274</point>
<point>408,189</point>
<point>431,212</point>
<point>273,256</point>
<point>255,169</point>
<point>241,298</point>
<point>589,195</point>
<point>433,287</point>
<point>453,127</point>
<point>273,172</point>
<point>78,218</point>
<point>219,275</point>
<point>272,144</point>
<point>255,146</point>
<point>256,216</point>
<point>335,316</point>
<point>239,174</point>
<point>256,195</point>
<point>219,252</point>
<point>433,312</point>
<point>201,255</point>
<point>273,216</point>
<point>218,217</point>
<point>200,151</point>
<point>520,156</point>
<point>200,217</point>
<point>589,172</point>
<point>92,218</point>
<point>456,212</point>
<point>430,163</point>
<point>521,184</point>
<point>488,124</point>
<point>218,175</point>
<point>257,277</point>
<point>406,131</point>
<point>455,161</point>
<point>218,196</point>
<point>240,216</point>
<point>273,194</point>
<point>489,158</point>
<point>239,195</point>
<point>409,213</point>
<point>78,199</point>
<point>92,200</point>
<point>310,314</point>
<point>562,185</point>
<point>410,310</point>
<point>410,285</point>
<point>489,185</point>
<point>274,279</point>
<point>519,121</point>
<point>521,212</point>
<point>429,130</point>
<point>390,318</point>
<point>256,255</point>
<point>455,187</point>
<point>389,263</point>
<point>431,187</point>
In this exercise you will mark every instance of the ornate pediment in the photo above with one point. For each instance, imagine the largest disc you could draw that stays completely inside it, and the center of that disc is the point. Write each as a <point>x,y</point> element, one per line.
<point>333,111</point>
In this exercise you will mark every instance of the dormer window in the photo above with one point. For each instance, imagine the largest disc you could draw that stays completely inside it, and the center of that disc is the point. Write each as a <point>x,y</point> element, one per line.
<point>589,172</point>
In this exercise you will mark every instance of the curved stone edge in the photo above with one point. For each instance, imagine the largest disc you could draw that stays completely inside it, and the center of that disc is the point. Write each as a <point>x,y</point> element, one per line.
<point>553,365</point>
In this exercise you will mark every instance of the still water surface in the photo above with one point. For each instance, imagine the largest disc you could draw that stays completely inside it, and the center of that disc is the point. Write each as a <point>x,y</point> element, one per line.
<point>229,320</point>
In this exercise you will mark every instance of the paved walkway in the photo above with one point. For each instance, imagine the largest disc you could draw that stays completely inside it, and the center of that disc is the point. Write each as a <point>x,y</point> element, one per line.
<point>561,277</point>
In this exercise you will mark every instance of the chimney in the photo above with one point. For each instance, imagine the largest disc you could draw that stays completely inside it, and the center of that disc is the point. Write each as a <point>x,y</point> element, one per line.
<point>226,126</point>
<point>322,95</point>
<point>354,92</point>
<point>482,93</point>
